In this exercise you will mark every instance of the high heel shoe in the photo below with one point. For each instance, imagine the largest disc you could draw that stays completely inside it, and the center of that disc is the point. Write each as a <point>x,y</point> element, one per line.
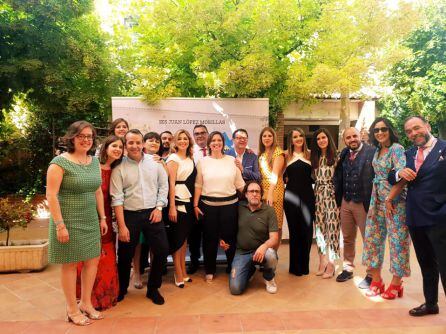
<point>91,314</point>
<point>187,280</point>
<point>328,274</point>
<point>320,272</point>
<point>178,284</point>
<point>376,288</point>
<point>78,318</point>
<point>393,291</point>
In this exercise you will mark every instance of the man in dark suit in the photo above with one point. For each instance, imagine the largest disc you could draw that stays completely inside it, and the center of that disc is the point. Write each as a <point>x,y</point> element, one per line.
<point>425,173</point>
<point>245,160</point>
<point>353,183</point>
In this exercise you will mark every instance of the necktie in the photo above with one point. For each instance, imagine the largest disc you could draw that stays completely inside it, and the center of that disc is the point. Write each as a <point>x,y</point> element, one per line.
<point>353,155</point>
<point>204,151</point>
<point>420,158</point>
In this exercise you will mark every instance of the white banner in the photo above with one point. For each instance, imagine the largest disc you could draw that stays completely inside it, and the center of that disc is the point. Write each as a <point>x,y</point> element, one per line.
<point>224,115</point>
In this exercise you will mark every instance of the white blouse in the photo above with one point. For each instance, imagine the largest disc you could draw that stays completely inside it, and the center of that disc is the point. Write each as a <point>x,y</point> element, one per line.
<point>185,168</point>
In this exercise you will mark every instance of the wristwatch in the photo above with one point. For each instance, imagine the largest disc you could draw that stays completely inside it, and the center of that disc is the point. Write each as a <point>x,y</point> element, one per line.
<point>159,208</point>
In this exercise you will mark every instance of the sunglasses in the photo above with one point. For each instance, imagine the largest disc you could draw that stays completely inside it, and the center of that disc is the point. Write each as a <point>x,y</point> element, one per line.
<point>383,129</point>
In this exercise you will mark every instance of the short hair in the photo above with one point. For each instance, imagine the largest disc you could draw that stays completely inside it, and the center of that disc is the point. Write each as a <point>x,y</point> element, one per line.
<point>73,130</point>
<point>316,151</point>
<point>200,126</point>
<point>239,130</point>
<point>245,188</point>
<point>212,135</point>
<point>166,131</point>
<point>393,136</point>
<point>134,132</point>
<point>151,135</point>
<point>115,123</point>
<point>416,116</point>
<point>103,151</point>
<point>190,149</point>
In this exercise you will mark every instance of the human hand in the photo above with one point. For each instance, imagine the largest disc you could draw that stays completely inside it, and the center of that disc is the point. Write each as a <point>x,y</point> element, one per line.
<point>225,246</point>
<point>198,213</point>
<point>238,164</point>
<point>259,254</point>
<point>104,227</point>
<point>155,216</point>
<point>390,209</point>
<point>62,234</point>
<point>173,214</point>
<point>124,234</point>
<point>407,174</point>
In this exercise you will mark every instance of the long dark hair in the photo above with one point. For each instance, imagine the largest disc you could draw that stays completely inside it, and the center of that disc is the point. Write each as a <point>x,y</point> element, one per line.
<point>73,130</point>
<point>393,136</point>
<point>103,152</point>
<point>316,151</point>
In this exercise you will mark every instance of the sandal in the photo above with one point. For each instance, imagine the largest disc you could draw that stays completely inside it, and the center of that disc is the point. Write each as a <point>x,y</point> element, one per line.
<point>78,318</point>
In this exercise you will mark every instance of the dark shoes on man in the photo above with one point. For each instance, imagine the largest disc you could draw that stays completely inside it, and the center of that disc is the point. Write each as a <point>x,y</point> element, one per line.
<point>155,296</point>
<point>424,310</point>
<point>344,276</point>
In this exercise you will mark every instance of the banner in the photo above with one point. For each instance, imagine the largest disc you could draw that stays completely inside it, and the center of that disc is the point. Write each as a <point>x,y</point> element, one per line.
<point>224,115</point>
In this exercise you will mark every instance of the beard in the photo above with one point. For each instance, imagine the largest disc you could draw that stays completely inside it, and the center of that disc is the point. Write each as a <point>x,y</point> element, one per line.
<point>426,138</point>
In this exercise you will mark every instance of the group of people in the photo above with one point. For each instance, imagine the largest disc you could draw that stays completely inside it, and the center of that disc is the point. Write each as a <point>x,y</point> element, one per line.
<point>159,194</point>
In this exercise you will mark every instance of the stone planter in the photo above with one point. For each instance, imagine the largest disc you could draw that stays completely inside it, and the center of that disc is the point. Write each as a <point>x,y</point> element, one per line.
<point>23,255</point>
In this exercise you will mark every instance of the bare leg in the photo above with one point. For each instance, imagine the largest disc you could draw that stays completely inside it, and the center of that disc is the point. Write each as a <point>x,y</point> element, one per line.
<point>88,277</point>
<point>376,274</point>
<point>68,281</point>
<point>183,259</point>
<point>396,280</point>
<point>177,267</point>
<point>323,262</point>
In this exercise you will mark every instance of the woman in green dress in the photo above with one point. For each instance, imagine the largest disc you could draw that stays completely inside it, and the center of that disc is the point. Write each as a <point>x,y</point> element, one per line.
<point>75,201</point>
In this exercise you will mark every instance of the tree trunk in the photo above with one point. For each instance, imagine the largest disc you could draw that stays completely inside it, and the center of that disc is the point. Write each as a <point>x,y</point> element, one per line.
<point>344,118</point>
<point>53,130</point>
<point>7,237</point>
<point>442,130</point>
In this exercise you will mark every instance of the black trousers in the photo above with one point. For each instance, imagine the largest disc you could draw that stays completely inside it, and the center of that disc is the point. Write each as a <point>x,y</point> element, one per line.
<point>300,227</point>
<point>194,241</point>
<point>430,247</point>
<point>219,222</point>
<point>155,234</point>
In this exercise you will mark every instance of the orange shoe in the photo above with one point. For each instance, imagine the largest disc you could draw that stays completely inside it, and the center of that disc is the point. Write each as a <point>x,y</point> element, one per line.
<point>393,291</point>
<point>376,288</point>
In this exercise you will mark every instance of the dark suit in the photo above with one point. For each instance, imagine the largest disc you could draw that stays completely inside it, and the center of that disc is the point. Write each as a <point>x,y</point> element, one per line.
<point>426,216</point>
<point>250,165</point>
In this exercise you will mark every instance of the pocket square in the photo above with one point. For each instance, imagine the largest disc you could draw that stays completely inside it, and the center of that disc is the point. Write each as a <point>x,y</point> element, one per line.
<point>441,158</point>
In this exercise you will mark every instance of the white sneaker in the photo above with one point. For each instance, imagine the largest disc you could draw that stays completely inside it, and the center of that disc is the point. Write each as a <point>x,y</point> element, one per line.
<point>271,286</point>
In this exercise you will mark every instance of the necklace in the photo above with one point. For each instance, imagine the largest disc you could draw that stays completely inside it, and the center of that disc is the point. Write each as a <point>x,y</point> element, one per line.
<point>82,163</point>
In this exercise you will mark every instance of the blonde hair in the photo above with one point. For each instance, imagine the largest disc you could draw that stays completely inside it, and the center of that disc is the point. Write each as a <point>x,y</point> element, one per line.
<point>190,148</point>
<point>262,148</point>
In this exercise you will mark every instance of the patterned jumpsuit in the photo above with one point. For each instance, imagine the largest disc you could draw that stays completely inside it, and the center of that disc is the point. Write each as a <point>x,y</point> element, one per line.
<point>327,221</point>
<point>378,226</point>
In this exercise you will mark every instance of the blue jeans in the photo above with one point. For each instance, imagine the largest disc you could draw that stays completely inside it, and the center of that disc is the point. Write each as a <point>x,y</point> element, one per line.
<point>243,267</point>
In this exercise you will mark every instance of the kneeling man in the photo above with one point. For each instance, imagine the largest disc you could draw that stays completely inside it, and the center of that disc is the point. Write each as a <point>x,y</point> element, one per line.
<point>257,239</point>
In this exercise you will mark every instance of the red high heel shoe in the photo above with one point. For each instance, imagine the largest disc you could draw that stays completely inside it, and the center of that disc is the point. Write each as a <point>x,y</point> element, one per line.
<point>376,288</point>
<point>393,291</point>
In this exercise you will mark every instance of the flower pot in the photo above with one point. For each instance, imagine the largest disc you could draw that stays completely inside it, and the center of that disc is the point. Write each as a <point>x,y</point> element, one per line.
<point>23,255</point>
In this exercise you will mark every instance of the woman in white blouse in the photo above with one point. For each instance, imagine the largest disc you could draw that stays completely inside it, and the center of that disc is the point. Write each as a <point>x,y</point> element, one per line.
<point>182,173</point>
<point>216,202</point>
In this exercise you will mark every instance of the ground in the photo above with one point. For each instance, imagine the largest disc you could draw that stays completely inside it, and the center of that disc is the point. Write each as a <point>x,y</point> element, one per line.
<point>34,303</point>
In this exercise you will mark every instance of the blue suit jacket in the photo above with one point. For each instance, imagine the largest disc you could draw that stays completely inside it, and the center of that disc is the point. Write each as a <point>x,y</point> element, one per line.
<point>426,195</point>
<point>250,165</point>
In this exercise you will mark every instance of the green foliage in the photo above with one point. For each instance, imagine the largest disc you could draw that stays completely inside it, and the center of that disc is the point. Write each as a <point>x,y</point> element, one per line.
<point>55,53</point>
<point>221,48</point>
<point>14,212</point>
<point>418,82</point>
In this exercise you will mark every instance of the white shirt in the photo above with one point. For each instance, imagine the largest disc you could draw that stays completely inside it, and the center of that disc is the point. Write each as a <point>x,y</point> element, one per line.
<point>198,153</point>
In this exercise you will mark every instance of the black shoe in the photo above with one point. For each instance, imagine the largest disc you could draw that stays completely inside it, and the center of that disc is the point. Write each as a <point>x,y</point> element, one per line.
<point>424,310</point>
<point>365,283</point>
<point>192,268</point>
<point>228,269</point>
<point>155,296</point>
<point>120,298</point>
<point>344,276</point>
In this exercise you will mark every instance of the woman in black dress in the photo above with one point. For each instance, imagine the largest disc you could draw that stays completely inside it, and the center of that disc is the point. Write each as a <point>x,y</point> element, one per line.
<point>299,202</point>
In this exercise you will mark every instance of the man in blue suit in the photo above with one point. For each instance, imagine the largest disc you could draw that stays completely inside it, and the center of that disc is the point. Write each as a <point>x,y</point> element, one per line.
<point>245,160</point>
<point>425,173</point>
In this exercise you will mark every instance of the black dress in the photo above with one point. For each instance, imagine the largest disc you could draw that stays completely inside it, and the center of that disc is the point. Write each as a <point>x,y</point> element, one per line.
<point>299,206</point>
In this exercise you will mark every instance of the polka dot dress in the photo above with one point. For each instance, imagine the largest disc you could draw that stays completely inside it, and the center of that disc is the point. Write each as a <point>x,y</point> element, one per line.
<point>78,206</point>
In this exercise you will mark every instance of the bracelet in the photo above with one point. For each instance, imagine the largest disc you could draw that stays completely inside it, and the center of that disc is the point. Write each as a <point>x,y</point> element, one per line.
<point>60,227</point>
<point>388,199</point>
<point>195,206</point>
<point>104,218</point>
<point>57,222</point>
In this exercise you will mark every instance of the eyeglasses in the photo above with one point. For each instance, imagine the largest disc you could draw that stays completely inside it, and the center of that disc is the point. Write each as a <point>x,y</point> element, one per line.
<point>253,191</point>
<point>84,137</point>
<point>384,129</point>
<point>241,138</point>
<point>200,133</point>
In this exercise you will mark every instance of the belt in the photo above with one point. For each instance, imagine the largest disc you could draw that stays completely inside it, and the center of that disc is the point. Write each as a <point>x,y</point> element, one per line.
<point>219,199</point>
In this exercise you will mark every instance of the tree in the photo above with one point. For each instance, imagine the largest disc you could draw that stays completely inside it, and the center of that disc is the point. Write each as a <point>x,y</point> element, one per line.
<point>351,43</point>
<point>418,83</point>
<point>223,48</point>
<point>54,54</point>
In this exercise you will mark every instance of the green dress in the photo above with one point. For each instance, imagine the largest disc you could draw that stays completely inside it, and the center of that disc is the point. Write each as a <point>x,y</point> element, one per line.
<point>77,201</point>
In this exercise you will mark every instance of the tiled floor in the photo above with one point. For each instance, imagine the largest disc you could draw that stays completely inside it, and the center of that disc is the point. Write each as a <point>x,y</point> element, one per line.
<point>33,303</point>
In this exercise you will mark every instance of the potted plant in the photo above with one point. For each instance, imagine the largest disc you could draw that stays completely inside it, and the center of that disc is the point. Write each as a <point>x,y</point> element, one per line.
<point>20,255</point>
